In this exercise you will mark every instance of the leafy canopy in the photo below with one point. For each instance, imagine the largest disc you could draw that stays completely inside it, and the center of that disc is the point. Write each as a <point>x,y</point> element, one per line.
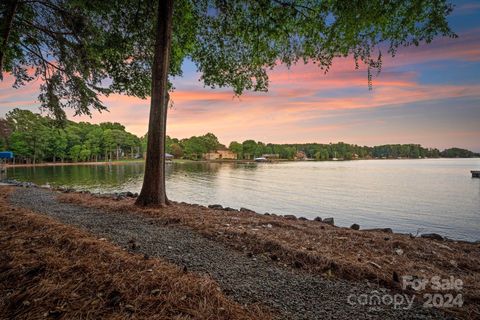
<point>31,136</point>
<point>82,49</point>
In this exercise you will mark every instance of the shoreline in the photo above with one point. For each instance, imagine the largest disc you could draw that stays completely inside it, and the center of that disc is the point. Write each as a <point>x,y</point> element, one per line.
<point>116,196</point>
<point>119,196</point>
<point>180,161</point>
<point>61,164</point>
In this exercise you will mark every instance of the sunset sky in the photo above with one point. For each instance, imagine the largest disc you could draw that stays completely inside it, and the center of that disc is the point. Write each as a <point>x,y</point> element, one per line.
<point>428,95</point>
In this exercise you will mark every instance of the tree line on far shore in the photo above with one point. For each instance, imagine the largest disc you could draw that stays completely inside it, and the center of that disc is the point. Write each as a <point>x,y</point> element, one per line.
<point>34,138</point>
<point>250,149</point>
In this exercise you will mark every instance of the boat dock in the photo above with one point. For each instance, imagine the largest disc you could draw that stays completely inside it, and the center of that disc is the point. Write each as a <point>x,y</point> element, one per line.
<point>475,173</point>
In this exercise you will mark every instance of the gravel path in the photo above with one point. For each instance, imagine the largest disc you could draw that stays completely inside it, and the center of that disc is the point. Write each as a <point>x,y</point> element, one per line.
<point>296,295</point>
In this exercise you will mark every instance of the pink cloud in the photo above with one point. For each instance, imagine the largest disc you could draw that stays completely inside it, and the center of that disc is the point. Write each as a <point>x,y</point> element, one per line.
<point>281,108</point>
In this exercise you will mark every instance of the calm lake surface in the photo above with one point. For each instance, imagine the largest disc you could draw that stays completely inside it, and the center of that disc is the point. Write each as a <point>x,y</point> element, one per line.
<point>425,195</point>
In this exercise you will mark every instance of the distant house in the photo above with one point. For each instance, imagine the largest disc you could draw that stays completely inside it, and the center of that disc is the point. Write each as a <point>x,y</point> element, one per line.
<point>220,154</point>
<point>168,156</point>
<point>300,155</point>
<point>271,156</point>
<point>210,155</point>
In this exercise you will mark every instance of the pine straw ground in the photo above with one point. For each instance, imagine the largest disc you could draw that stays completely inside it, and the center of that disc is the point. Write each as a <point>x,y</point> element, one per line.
<point>323,249</point>
<point>49,270</point>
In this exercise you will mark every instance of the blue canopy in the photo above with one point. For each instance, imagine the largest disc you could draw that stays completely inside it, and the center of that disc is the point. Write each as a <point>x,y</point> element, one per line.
<point>6,155</point>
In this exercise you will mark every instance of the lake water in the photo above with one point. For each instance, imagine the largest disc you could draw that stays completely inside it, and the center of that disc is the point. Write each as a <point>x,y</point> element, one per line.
<point>425,195</point>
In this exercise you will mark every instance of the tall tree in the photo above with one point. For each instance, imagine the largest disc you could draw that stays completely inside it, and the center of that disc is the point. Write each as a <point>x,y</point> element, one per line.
<point>5,132</point>
<point>237,148</point>
<point>153,189</point>
<point>30,133</point>
<point>210,141</point>
<point>138,44</point>
<point>95,142</point>
<point>57,144</point>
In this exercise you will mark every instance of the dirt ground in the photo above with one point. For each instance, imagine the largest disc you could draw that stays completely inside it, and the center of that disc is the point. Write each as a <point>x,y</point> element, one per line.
<point>52,271</point>
<point>227,262</point>
<point>319,248</point>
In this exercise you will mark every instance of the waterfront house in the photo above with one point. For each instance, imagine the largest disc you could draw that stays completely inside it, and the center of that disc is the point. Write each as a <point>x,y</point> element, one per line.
<point>300,155</point>
<point>168,156</point>
<point>220,154</point>
<point>271,156</point>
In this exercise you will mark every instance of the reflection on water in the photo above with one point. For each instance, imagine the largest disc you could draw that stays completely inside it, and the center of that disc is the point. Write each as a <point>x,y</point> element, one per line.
<point>436,195</point>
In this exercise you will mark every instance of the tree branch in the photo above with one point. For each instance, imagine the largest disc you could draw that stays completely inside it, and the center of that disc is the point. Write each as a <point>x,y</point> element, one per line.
<point>40,56</point>
<point>46,4</point>
<point>43,29</point>
<point>7,28</point>
<point>294,7</point>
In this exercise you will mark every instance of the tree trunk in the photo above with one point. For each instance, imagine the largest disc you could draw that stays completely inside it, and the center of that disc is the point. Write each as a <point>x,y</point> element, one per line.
<point>167,101</point>
<point>153,189</point>
<point>6,30</point>
<point>34,152</point>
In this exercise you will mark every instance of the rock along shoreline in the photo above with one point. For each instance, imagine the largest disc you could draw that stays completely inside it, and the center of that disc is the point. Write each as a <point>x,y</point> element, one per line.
<point>329,220</point>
